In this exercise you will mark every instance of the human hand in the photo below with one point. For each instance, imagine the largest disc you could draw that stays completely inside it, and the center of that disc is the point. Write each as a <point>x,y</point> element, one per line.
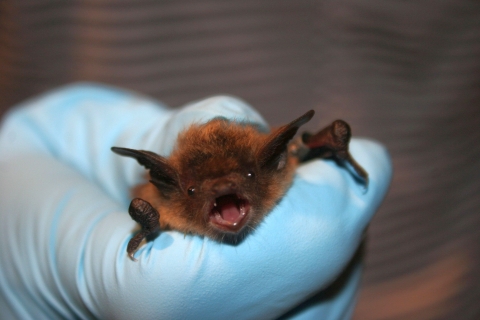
<point>63,200</point>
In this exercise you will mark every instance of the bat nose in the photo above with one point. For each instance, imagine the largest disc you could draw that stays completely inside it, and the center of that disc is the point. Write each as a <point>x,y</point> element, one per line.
<point>223,185</point>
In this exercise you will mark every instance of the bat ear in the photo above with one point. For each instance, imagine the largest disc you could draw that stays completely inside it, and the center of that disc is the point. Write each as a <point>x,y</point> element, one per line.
<point>273,153</point>
<point>162,174</point>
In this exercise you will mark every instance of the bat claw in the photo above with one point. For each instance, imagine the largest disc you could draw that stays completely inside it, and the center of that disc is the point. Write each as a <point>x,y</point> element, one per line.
<point>332,141</point>
<point>148,217</point>
<point>131,256</point>
<point>359,171</point>
<point>134,243</point>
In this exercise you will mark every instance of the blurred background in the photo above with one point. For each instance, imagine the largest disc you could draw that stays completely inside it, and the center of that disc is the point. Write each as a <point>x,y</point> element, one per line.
<point>406,73</point>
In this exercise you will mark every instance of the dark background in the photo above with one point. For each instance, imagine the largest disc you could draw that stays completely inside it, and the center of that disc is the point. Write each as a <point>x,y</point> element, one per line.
<point>406,73</point>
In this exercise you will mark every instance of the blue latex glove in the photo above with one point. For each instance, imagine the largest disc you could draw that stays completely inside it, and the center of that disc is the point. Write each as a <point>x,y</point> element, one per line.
<point>64,225</point>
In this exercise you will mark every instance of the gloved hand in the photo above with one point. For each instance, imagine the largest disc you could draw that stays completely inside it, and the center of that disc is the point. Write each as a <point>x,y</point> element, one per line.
<point>64,225</point>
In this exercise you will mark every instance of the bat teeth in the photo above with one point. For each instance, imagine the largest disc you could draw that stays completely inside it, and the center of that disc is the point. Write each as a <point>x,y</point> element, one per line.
<point>242,209</point>
<point>217,216</point>
<point>229,212</point>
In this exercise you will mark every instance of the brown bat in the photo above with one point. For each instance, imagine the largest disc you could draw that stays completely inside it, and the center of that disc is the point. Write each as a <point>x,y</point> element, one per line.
<point>224,177</point>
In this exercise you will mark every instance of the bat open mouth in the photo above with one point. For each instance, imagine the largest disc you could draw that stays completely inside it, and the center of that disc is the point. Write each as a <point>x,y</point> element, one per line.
<point>229,212</point>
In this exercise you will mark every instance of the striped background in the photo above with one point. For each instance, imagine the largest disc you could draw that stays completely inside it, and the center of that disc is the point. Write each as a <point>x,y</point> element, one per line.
<point>403,72</point>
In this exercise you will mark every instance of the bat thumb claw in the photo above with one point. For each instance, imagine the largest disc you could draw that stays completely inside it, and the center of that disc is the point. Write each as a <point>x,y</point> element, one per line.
<point>134,243</point>
<point>131,256</point>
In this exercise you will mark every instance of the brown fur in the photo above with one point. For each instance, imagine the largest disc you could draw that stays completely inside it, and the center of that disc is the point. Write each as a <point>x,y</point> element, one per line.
<point>224,177</point>
<point>205,153</point>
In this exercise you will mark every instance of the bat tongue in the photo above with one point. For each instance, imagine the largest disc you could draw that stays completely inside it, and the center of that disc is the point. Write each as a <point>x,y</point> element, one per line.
<point>228,208</point>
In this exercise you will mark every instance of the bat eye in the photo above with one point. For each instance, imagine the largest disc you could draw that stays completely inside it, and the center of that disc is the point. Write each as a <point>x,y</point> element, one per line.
<point>250,175</point>
<point>191,191</point>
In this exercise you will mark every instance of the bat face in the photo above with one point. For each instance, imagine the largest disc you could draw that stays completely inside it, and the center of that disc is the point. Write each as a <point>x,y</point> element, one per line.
<point>221,179</point>
<point>224,190</point>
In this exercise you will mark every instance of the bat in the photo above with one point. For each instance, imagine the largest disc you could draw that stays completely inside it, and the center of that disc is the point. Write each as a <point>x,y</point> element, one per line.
<point>224,177</point>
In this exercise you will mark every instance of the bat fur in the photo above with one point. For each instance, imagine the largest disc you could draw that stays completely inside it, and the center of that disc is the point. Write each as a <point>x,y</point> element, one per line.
<point>223,177</point>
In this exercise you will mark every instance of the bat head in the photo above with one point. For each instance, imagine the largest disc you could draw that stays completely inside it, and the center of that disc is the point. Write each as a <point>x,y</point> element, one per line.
<point>222,178</point>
